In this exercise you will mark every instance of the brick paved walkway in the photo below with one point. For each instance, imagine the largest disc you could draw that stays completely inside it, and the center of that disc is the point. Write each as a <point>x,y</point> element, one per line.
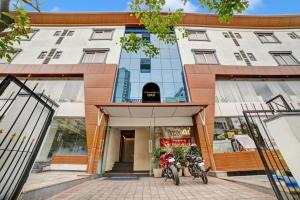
<point>153,188</point>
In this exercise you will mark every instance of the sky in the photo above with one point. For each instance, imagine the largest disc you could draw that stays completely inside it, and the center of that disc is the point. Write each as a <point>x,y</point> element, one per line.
<point>256,6</point>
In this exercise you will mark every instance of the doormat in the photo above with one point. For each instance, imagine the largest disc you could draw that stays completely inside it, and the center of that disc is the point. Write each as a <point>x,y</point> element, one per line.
<point>122,178</point>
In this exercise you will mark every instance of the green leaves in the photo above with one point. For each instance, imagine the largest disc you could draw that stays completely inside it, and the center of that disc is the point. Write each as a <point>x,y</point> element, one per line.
<point>225,9</point>
<point>149,14</point>
<point>19,27</point>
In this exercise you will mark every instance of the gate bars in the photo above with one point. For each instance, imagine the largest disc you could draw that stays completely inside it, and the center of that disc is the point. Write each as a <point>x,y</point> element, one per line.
<point>275,166</point>
<point>24,119</point>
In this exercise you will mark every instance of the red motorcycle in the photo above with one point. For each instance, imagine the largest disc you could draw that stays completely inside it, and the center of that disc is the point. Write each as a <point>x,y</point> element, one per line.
<point>169,168</point>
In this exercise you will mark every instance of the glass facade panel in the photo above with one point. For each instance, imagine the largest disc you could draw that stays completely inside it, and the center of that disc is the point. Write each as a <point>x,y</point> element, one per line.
<point>172,137</point>
<point>166,71</point>
<point>232,94</point>
<point>60,89</point>
<point>257,90</point>
<point>69,136</point>
<point>231,135</point>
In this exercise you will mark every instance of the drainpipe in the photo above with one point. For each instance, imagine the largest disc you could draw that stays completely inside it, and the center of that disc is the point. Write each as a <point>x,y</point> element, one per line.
<point>95,142</point>
<point>208,143</point>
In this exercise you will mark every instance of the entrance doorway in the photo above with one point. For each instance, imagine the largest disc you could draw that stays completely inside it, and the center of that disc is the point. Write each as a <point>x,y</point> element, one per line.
<point>151,93</point>
<point>127,146</point>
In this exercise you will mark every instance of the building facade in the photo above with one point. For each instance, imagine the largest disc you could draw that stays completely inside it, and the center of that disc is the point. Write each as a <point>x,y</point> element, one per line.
<point>118,107</point>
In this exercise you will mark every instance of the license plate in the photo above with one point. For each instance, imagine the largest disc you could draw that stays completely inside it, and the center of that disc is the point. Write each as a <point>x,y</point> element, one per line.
<point>171,160</point>
<point>201,164</point>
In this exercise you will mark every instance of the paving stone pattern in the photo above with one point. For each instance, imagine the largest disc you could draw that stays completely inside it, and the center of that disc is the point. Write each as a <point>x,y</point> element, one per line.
<point>157,188</point>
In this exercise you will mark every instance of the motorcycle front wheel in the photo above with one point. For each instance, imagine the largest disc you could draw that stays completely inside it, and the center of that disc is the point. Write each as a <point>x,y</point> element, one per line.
<point>204,177</point>
<point>175,174</point>
<point>203,174</point>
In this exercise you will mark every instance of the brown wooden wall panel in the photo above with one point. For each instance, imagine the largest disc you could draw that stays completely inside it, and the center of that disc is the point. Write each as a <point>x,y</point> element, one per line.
<point>91,114</point>
<point>238,161</point>
<point>245,161</point>
<point>98,89</point>
<point>189,19</point>
<point>99,80</point>
<point>67,159</point>
<point>96,96</point>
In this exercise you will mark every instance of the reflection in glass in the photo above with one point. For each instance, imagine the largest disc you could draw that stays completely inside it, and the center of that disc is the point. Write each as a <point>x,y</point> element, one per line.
<point>231,134</point>
<point>257,90</point>
<point>69,136</point>
<point>165,71</point>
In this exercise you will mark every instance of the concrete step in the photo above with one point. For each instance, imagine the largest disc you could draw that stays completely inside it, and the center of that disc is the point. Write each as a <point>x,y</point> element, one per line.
<point>124,174</point>
<point>122,167</point>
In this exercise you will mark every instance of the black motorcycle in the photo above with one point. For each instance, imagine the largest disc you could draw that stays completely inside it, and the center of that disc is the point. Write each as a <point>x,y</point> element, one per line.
<point>197,168</point>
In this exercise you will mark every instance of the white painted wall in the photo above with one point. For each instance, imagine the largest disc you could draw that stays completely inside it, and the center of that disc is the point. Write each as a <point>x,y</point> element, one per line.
<point>250,43</point>
<point>286,132</point>
<point>141,150</point>
<point>68,167</point>
<point>72,46</point>
<point>143,121</point>
<point>113,151</point>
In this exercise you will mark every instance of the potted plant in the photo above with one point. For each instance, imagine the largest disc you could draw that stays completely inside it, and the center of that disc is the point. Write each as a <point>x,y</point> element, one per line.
<point>179,153</point>
<point>157,171</point>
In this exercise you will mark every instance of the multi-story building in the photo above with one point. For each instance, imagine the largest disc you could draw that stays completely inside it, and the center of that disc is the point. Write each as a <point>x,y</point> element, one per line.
<point>117,106</point>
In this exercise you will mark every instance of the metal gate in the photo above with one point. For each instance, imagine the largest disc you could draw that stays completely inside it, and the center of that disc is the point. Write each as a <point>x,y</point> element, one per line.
<point>282,181</point>
<point>25,116</point>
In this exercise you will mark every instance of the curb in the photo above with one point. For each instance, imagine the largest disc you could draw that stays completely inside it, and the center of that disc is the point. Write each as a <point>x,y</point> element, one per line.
<point>51,190</point>
<point>258,188</point>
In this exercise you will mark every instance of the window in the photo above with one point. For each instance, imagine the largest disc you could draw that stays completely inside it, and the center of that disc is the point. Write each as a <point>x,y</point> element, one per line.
<point>231,135</point>
<point>94,56</point>
<point>251,56</point>
<point>69,136</point>
<point>57,55</point>
<point>238,56</point>
<point>145,65</point>
<point>70,33</point>
<point>237,35</point>
<point>30,35</point>
<point>146,37</point>
<point>12,56</point>
<point>284,58</point>
<point>205,57</point>
<point>267,38</point>
<point>197,35</point>
<point>102,35</point>
<point>42,55</point>
<point>57,33</point>
<point>226,35</point>
<point>293,35</point>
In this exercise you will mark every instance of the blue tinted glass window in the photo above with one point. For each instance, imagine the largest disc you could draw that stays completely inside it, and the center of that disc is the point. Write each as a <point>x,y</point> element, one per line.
<point>165,63</point>
<point>135,64</point>
<point>156,64</point>
<point>156,76</point>
<point>135,70</point>
<point>146,37</point>
<point>167,76</point>
<point>145,65</point>
<point>177,75</point>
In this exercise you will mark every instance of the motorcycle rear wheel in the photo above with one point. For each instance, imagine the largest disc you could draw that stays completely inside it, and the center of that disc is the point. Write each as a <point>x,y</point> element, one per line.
<point>175,175</point>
